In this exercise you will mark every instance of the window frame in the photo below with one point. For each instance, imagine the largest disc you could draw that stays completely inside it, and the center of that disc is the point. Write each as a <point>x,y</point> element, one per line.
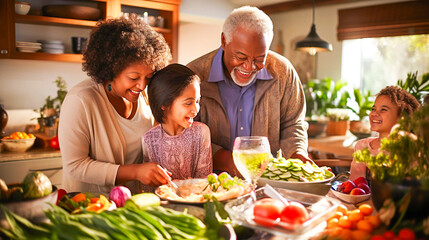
<point>395,19</point>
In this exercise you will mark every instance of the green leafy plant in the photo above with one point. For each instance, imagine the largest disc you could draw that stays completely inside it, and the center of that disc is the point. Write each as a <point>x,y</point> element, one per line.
<point>323,94</point>
<point>363,102</point>
<point>62,89</point>
<point>417,88</point>
<point>404,153</point>
<point>50,102</point>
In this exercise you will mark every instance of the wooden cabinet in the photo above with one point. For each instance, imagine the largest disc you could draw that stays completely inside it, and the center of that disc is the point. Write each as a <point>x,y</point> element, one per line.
<point>167,9</point>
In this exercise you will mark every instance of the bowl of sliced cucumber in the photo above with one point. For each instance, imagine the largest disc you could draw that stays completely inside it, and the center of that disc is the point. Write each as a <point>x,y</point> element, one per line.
<point>295,175</point>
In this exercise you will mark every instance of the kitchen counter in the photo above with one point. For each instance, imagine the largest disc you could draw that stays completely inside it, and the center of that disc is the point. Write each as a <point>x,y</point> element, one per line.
<point>339,147</point>
<point>14,166</point>
<point>33,153</point>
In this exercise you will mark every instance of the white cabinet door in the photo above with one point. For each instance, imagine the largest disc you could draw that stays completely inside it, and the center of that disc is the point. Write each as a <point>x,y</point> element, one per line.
<point>15,171</point>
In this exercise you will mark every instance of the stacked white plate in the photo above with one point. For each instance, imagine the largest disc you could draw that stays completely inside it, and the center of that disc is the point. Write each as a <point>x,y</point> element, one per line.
<point>28,46</point>
<point>52,46</point>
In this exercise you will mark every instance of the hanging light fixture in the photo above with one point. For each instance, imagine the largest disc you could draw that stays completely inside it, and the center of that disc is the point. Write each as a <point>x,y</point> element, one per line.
<point>313,43</point>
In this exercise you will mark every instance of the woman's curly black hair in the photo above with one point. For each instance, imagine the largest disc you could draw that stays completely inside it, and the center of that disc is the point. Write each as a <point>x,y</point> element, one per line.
<point>117,43</point>
<point>403,99</point>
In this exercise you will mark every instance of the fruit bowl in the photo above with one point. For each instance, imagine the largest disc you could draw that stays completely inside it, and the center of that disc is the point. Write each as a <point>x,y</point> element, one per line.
<point>345,197</point>
<point>18,145</point>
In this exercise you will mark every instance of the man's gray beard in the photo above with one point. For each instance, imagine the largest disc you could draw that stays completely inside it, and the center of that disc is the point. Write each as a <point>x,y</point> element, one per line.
<point>241,84</point>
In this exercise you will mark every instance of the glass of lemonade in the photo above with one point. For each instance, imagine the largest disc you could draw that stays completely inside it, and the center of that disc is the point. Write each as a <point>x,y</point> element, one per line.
<point>251,154</point>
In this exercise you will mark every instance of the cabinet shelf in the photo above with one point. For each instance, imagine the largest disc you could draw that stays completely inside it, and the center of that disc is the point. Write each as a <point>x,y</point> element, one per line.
<point>65,57</point>
<point>54,21</point>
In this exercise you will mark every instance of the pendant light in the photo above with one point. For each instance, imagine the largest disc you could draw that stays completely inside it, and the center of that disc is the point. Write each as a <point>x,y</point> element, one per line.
<point>313,43</point>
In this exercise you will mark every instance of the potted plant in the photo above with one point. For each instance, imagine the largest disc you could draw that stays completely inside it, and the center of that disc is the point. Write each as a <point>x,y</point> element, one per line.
<point>49,112</point>
<point>361,108</point>
<point>338,123</point>
<point>321,95</point>
<point>400,173</point>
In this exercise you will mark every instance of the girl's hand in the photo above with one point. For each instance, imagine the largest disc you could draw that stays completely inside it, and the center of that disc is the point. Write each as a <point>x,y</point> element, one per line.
<point>152,174</point>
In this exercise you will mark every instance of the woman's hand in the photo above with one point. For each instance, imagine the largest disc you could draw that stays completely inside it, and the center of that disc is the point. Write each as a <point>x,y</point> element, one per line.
<point>153,174</point>
<point>149,173</point>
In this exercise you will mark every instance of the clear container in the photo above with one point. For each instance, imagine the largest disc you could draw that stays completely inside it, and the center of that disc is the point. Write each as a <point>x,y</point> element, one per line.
<point>320,208</point>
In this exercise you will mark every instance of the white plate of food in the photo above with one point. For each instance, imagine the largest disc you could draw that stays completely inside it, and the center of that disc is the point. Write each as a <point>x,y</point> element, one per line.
<point>192,191</point>
<point>295,175</point>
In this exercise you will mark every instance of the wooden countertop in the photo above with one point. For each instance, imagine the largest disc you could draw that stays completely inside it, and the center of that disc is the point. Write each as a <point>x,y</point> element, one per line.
<point>33,153</point>
<point>342,147</point>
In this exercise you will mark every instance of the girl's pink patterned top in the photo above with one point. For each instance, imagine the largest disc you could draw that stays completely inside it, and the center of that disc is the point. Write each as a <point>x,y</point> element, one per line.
<point>187,155</point>
<point>358,169</point>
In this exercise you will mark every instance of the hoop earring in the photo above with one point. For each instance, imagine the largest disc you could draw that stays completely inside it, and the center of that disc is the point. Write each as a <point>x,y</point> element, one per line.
<point>109,87</point>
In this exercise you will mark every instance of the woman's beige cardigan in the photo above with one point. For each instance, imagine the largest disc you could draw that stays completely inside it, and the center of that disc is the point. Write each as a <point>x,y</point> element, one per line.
<point>91,141</point>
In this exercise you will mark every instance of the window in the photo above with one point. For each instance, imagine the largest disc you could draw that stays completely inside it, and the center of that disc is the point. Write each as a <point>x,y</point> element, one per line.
<point>373,63</point>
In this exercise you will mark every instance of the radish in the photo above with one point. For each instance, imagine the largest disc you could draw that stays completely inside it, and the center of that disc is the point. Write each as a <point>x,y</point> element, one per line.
<point>120,195</point>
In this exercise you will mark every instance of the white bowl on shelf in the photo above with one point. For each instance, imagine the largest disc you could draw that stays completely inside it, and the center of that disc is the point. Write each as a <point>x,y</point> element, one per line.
<point>52,46</point>
<point>54,50</point>
<point>22,8</point>
<point>50,42</point>
<point>26,44</point>
<point>28,49</point>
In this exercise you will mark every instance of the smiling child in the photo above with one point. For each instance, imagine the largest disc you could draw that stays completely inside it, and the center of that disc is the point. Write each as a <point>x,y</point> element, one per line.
<point>390,104</point>
<point>178,143</point>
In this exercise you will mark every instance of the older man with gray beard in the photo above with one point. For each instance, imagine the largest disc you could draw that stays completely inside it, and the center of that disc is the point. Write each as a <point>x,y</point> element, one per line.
<point>248,90</point>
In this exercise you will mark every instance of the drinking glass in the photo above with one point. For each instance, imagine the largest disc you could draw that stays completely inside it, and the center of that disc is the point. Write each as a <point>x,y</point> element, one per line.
<point>251,154</point>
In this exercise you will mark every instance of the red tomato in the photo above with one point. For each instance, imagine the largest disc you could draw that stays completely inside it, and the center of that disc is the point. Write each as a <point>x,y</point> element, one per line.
<point>406,234</point>
<point>377,237</point>
<point>389,235</point>
<point>294,213</point>
<point>267,211</point>
<point>61,193</point>
<point>54,143</point>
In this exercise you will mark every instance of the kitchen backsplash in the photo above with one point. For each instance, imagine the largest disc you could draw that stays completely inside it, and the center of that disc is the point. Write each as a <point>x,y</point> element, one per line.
<point>18,119</point>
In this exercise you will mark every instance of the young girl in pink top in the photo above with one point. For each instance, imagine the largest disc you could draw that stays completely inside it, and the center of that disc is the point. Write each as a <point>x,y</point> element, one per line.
<point>388,107</point>
<point>178,143</point>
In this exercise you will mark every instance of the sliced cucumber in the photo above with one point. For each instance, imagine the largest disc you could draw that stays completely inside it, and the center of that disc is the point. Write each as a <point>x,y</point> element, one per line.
<point>294,170</point>
<point>285,175</point>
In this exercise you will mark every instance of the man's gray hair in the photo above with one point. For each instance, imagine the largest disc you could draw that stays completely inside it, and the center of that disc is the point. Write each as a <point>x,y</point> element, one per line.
<point>250,18</point>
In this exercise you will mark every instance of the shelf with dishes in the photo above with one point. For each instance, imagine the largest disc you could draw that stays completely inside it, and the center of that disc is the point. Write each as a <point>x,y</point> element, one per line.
<point>63,22</point>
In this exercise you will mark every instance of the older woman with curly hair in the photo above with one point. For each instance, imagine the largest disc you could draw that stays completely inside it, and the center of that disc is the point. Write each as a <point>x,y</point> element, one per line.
<point>103,118</point>
<point>390,104</point>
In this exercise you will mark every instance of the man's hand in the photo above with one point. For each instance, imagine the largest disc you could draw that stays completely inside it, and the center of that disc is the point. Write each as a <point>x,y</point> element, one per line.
<point>303,158</point>
<point>223,162</point>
